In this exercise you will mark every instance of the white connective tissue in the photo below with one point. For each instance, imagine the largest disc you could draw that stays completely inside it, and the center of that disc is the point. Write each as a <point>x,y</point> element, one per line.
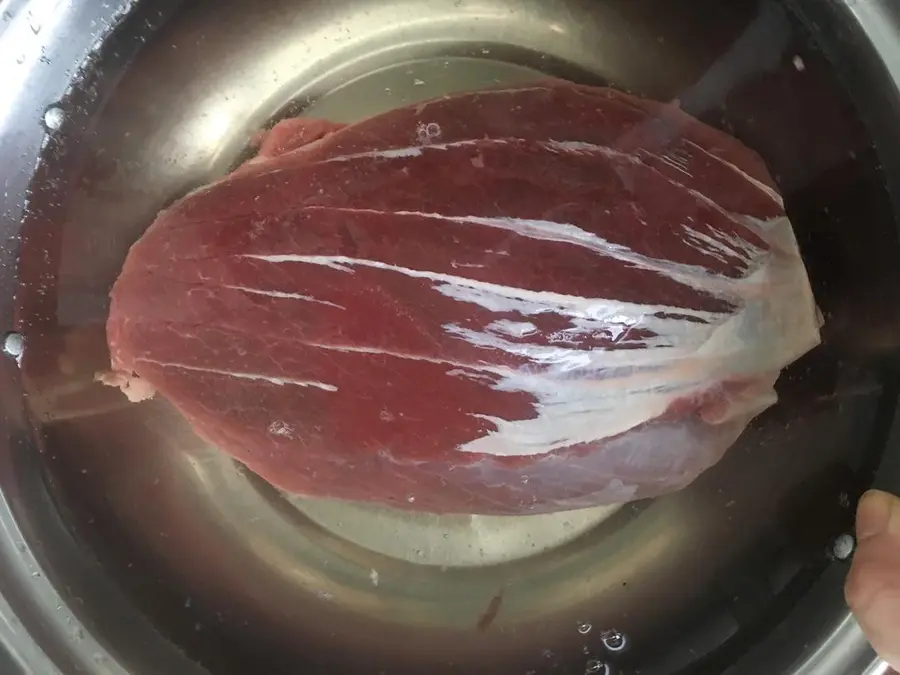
<point>586,395</point>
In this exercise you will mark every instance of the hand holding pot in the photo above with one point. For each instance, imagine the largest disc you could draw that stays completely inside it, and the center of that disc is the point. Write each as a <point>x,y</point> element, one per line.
<point>873,586</point>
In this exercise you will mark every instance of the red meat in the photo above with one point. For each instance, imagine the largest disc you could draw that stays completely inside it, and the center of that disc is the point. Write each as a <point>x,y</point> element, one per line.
<point>508,301</point>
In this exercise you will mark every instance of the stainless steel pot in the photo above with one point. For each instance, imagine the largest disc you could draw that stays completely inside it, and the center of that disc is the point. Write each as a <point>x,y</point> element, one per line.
<point>130,547</point>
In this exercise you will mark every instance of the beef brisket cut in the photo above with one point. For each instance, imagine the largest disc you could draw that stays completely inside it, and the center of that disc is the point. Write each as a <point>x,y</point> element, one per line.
<point>507,301</point>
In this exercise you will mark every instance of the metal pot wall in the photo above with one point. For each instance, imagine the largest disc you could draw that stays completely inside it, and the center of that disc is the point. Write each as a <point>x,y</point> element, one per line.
<point>128,546</point>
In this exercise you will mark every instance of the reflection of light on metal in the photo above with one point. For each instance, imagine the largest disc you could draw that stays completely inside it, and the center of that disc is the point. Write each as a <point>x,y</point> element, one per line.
<point>635,550</point>
<point>383,28</point>
<point>225,485</point>
<point>400,27</point>
<point>450,540</point>
<point>315,560</point>
<point>18,60</point>
<point>232,111</point>
<point>543,532</point>
<point>278,558</point>
<point>326,580</point>
<point>215,125</point>
<point>199,467</point>
<point>210,131</point>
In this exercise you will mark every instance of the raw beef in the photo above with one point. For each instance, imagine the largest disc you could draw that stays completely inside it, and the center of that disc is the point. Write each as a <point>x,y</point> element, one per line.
<point>508,301</point>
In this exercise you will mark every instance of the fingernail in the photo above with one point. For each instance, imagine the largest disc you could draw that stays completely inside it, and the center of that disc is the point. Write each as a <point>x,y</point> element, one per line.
<point>876,511</point>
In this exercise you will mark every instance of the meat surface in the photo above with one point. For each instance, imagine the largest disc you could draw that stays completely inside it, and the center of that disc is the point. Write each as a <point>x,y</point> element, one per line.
<point>507,301</point>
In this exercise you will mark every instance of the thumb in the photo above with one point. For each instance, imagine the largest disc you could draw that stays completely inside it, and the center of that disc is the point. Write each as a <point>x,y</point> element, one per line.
<point>873,585</point>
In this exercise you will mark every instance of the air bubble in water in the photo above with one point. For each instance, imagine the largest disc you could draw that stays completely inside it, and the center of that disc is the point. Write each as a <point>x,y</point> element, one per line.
<point>14,346</point>
<point>428,133</point>
<point>614,641</point>
<point>843,546</point>
<point>53,117</point>
<point>595,667</point>
<point>584,627</point>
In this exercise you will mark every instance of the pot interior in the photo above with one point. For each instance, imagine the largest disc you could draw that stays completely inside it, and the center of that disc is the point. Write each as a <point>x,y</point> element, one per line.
<point>241,578</point>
